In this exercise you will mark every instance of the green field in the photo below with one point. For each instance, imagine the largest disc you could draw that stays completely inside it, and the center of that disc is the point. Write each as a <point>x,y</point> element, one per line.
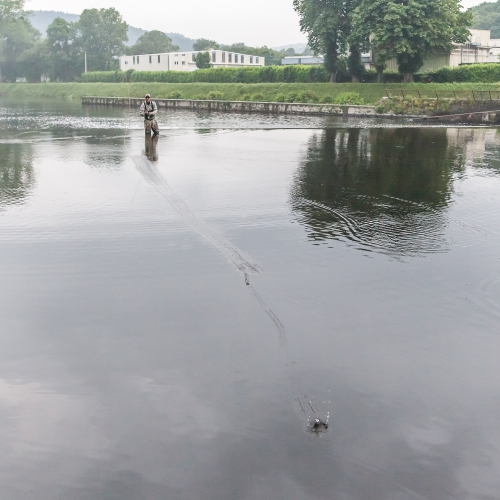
<point>370,92</point>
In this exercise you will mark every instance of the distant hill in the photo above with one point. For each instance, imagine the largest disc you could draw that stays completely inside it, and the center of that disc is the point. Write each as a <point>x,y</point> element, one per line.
<point>41,19</point>
<point>487,17</point>
<point>298,47</point>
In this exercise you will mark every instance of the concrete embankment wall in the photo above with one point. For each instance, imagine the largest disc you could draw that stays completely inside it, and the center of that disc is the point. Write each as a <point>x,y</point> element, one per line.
<point>240,106</point>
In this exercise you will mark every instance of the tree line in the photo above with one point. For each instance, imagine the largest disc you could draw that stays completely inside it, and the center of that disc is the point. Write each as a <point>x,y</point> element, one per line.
<point>405,30</point>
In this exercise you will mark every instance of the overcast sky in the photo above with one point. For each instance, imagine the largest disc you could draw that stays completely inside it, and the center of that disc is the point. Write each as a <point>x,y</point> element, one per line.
<point>258,22</point>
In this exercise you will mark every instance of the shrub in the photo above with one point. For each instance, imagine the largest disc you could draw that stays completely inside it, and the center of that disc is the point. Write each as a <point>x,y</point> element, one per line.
<point>258,97</point>
<point>291,97</point>
<point>327,99</point>
<point>175,95</point>
<point>307,96</point>
<point>246,97</point>
<point>201,97</point>
<point>349,98</point>
<point>280,98</point>
<point>216,95</point>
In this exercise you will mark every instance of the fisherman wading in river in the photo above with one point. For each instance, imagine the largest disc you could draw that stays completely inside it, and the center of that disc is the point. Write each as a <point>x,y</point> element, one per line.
<point>148,110</point>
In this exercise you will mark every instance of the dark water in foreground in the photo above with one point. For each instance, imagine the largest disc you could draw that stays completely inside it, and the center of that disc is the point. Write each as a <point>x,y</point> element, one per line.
<point>136,363</point>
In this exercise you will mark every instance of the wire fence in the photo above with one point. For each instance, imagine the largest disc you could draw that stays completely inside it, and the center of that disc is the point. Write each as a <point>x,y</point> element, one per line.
<point>459,95</point>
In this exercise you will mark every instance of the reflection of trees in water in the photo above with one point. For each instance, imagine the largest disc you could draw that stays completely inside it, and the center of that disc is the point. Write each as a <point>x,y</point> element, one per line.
<point>385,189</point>
<point>17,177</point>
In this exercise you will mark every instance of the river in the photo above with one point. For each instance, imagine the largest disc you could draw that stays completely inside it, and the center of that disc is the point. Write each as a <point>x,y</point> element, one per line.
<point>178,313</point>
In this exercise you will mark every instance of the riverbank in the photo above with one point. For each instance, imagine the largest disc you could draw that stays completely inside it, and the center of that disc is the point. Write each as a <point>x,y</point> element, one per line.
<point>240,106</point>
<point>371,93</point>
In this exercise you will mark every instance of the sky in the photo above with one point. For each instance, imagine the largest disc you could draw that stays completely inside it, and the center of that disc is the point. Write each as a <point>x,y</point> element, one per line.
<point>259,22</point>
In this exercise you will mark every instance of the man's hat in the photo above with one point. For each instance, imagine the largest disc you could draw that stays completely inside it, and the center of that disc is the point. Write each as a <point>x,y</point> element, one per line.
<point>147,95</point>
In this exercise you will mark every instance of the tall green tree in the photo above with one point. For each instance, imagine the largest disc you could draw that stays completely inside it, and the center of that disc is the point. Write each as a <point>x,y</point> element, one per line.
<point>34,62</point>
<point>205,44</point>
<point>486,16</point>
<point>66,61</point>
<point>102,33</point>
<point>411,30</point>
<point>202,60</point>
<point>153,42</point>
<point>16,35</point>
<point>328,25</point>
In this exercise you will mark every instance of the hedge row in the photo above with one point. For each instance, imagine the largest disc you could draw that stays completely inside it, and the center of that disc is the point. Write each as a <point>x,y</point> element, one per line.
<point>266,74</point>
<point>484,73</point>
<point>474,73</point>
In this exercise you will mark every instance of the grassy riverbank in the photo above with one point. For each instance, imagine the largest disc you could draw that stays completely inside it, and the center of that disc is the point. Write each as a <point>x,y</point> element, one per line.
<point>370,92</point>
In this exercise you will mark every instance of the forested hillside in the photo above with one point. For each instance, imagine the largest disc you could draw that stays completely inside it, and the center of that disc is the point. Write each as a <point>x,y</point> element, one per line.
<point>41,19</point>
<point>487,17</point>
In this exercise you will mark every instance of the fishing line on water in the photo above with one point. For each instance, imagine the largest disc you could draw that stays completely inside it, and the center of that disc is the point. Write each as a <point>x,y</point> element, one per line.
<point>243,264</point>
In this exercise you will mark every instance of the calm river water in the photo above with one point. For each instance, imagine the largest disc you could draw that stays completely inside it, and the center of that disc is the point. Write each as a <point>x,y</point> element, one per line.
<point>176,314</point>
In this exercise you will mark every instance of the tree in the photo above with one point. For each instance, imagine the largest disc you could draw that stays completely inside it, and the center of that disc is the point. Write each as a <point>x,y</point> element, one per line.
<point>153,42</point>
<point>66,60</point>
<point>16,35</point>
<point>204,44</point>
<point>411,30</point>
<point>487,17</point>
<point>101,33</point>
<point>202,60</point>
<point>34,62</point>
<point>328,25</point>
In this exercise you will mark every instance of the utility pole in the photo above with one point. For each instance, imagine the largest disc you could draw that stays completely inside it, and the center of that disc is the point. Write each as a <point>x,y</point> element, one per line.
<point>85,61</point>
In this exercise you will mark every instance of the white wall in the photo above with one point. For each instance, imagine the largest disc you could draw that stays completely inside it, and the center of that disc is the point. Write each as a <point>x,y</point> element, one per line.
<point>183,61</point>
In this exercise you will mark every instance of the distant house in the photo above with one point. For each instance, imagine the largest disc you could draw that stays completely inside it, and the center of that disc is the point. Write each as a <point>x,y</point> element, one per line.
<point>302,60</point>
<point>185,61</point>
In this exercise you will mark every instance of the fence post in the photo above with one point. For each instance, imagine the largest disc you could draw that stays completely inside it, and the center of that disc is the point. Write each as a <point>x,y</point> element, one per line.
<point>490,96</point>
<point>419,96</point>
<point>402,93</point>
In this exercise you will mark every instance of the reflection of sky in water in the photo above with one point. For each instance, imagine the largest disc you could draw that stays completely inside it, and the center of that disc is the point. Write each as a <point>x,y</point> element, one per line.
<point>136,363</point>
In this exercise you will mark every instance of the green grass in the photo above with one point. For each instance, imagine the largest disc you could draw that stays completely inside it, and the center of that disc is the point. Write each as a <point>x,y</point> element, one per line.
<point>370,92</point>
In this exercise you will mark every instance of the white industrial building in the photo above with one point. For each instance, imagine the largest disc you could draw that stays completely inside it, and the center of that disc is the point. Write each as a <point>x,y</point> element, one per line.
<point>185,61</point>
<point>302,60</point>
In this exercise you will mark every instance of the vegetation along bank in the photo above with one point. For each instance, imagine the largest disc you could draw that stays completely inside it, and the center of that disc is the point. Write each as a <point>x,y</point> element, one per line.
<point>370,94</point>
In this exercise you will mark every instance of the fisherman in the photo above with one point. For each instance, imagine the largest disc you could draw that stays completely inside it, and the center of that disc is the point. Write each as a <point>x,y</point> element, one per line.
<point>149,110</point>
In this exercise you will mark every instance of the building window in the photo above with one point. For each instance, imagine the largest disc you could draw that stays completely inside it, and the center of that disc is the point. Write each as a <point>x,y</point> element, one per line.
<point>137,59</point>
<point>133,62</point>
<point>242,59</point>
<point>214,56</point>
<point>183,62</point>
<point>126,62</point>
<point>194,56</point>
<point>256,60</point>
<point>158,58</point>
<point>235,58</point>
<point>183,55</point>
<point>223,57</point>
<point>230,58</point>
<point>251,59</point>
<point>150,59</point>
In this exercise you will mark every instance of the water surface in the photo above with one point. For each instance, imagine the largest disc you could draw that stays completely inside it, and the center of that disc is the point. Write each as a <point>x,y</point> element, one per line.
<point>175,313</point>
